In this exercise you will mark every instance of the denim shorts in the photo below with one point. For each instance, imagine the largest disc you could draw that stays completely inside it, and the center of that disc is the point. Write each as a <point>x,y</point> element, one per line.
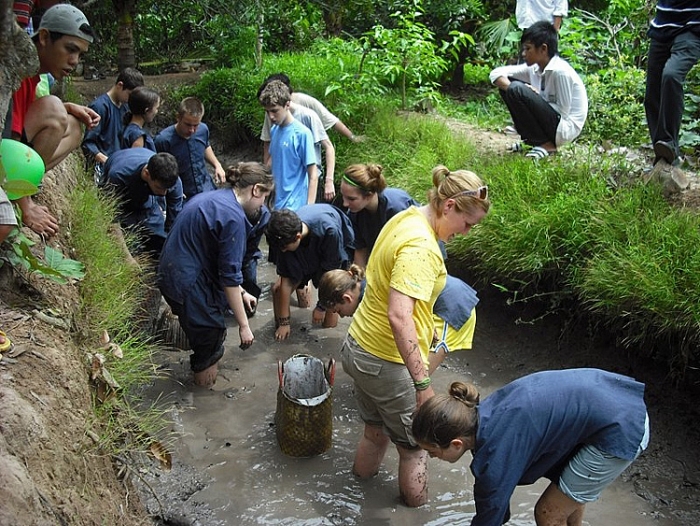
<point>591,470</point>
<point>384,392</point>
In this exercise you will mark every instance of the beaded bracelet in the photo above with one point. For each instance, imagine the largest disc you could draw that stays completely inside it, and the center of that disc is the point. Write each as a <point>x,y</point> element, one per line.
<point>423,384</point>
<point>283,320</point>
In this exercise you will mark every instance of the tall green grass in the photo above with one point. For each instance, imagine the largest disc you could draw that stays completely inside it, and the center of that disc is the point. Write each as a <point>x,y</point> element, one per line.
<point>112,296</point>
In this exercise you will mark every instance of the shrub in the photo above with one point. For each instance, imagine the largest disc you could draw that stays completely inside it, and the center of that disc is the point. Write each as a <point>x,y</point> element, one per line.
<point>616,106</point>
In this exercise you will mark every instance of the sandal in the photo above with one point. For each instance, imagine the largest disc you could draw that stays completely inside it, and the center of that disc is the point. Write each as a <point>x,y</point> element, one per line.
<point>538,153</point>
<point>516,147</point>
<point>7,344</point>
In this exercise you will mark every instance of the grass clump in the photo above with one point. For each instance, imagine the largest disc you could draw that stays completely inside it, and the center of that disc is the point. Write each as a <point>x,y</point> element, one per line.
<point>112,299</point>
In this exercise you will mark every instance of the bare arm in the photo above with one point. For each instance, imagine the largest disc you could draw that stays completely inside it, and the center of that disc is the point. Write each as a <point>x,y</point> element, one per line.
<point>312,171</point>
<point>281,295</point>
<point>210,157</point>
<point>235,301</point>
<point>403,327</point>
<point>360,257</point>
<point>267,160</point>
<point>329,190</point>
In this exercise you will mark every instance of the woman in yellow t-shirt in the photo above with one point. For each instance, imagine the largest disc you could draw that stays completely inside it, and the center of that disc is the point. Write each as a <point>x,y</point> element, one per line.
<point>386,350</point>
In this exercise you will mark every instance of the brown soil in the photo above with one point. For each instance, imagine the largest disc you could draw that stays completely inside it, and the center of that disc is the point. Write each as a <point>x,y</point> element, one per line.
<point>52,471</point>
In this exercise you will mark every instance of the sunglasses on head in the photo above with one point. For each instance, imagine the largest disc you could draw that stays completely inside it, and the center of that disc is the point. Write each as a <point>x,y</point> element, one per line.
<point>480,193</point>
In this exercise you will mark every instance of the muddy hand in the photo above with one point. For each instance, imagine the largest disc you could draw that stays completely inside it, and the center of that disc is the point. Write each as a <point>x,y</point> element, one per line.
<point>40,220</point>
<point>247,337</point>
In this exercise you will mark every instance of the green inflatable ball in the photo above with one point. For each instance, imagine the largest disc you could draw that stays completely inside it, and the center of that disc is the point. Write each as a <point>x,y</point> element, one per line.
<point>21,169</point>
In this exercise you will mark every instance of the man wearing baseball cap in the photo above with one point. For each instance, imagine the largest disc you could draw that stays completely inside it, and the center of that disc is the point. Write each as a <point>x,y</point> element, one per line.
<point>47,124</point>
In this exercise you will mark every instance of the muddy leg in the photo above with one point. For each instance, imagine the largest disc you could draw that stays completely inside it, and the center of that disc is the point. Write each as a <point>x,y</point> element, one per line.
<point>413,476</point>
<point>370,452</point>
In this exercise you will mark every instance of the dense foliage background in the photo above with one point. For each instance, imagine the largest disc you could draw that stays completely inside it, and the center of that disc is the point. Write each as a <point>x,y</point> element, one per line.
<point>581,231</point>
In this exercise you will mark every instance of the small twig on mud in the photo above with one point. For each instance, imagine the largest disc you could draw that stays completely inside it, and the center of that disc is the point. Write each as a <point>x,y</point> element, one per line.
<point>52,320</point>
<point>135,472</point>
<point>41,401</point>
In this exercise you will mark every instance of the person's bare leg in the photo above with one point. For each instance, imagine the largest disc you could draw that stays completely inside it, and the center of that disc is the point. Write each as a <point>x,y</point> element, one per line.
<point>556,509</point>
<point>370,452</point>
<point>207,377</point>
<point>413,476</point>
<point>330,319</point>
<point>51,131</point>
<point>53,134</point>
<point>549,146</point>
<point>304,297</point>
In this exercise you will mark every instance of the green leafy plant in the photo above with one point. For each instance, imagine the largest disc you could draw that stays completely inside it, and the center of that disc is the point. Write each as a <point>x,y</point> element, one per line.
<point>54,266</point>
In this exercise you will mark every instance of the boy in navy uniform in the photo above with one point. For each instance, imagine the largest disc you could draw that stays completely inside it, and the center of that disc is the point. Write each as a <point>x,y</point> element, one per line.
<point>137,176</point>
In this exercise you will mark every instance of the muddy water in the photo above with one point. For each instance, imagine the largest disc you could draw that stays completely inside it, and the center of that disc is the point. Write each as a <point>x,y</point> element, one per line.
<point>228,468</point>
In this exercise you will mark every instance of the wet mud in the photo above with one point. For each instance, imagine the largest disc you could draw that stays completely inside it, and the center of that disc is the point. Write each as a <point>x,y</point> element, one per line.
<point>228,469</point>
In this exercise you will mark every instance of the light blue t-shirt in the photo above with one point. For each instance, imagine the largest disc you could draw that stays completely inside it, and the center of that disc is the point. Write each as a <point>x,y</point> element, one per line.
<point>291,151</point>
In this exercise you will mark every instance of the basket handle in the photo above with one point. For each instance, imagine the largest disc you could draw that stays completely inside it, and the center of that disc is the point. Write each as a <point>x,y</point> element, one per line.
<point>330,371</point>
<point>280,372</point>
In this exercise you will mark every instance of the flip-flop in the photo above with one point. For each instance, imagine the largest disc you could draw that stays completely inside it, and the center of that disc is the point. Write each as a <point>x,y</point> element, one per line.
<point>538,153</point>
<point>7,344</point>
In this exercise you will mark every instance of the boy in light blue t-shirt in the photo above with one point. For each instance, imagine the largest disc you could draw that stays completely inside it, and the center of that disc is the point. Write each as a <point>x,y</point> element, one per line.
<point>291,150</point>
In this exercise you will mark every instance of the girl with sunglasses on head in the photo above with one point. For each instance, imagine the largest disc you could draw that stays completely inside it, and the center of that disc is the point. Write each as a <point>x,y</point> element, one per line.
<point>387,346</point>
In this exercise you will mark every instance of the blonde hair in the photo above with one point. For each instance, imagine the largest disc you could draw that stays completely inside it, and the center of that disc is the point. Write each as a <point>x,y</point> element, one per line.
<point>367,178</point>
<point>335,283</point>
<point>447,185</point>
<point>190,106</point>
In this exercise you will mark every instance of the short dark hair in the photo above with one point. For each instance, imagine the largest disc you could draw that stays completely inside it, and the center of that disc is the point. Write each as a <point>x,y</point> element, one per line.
<point>284,79</point>
<point>163,169</point>
<point>283,228</point>
<point>542,32</point>
<point>130,78</point>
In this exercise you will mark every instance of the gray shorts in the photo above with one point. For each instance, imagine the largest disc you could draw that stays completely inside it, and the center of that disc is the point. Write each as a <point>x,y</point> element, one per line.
<point>384,392</point>
<point>591,470</point>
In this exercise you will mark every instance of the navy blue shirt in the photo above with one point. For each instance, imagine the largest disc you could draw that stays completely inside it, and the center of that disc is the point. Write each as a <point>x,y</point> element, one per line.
<point>138,205</point>
<point>106,136</point>
<point>367,225</point>
<point>674,17</point>
<point>207,242</point>
<point>133,132</point>
<point>329,245</point>
<point>531,427</point>
<point>190,158</point>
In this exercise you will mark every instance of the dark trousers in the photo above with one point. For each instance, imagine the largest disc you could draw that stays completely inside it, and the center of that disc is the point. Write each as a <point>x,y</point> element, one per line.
<point>668,65</point>
<point>202,319</point>
<point>535,120</point>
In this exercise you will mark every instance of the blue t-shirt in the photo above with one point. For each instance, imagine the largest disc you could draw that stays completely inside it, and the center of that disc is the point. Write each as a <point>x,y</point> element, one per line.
<point>132,133</point>
<point>291,152</point>
<point>329,245</point>
<point>106,136</point>
<point>367,225</point>
<point>190,158</point>
<point>455,303</point>
<point>207,242</point>
<point>530,428</point>
<point>138,205</point>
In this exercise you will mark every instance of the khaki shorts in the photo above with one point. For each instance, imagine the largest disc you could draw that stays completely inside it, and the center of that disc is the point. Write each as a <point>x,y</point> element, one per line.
<point>384,392</point>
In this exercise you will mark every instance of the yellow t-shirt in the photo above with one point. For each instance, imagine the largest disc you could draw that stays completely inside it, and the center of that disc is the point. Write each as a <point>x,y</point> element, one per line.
<point>407,258</point>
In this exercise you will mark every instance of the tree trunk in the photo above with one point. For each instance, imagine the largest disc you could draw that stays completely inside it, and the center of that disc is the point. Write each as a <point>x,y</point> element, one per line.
<point>18,58</point>
<point>126,12</point>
